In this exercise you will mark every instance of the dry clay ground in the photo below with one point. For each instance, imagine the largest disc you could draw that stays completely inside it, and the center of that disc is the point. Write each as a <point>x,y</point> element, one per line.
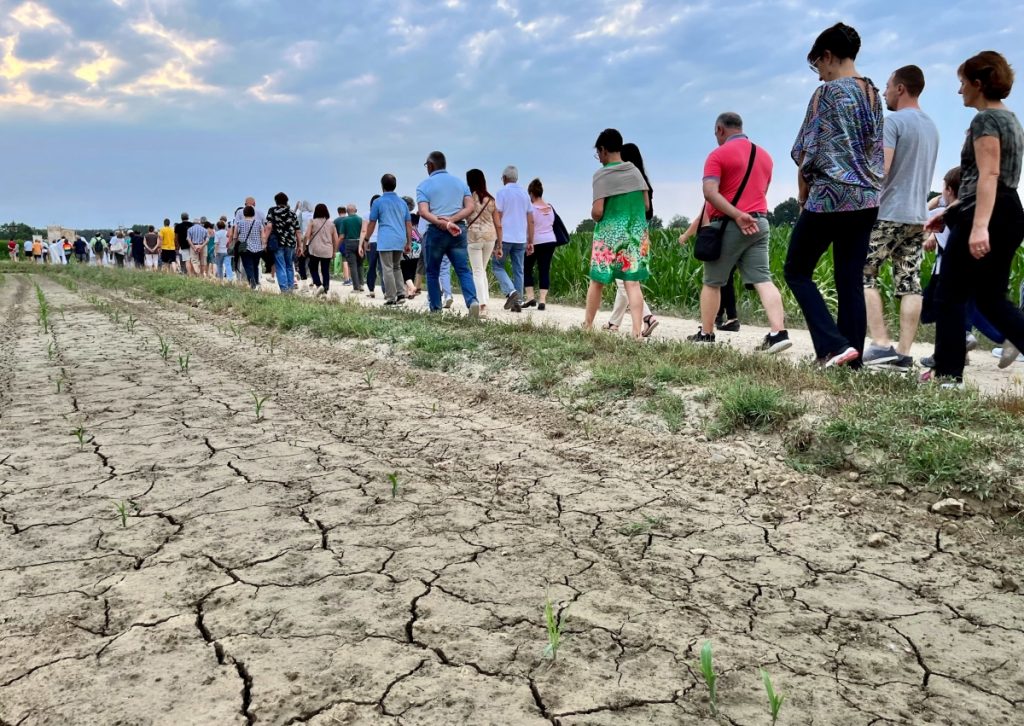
<point>266,575</point>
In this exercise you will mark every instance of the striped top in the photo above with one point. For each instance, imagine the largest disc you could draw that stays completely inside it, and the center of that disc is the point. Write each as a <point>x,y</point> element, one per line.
<point>842,147</point>
<point>197,235</point>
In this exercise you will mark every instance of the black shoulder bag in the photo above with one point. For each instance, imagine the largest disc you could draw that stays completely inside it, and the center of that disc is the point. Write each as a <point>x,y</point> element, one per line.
<point>708,246</point>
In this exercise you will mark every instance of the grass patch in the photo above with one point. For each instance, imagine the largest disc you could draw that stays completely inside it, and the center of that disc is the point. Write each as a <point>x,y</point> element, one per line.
<point>745,403</point>
<point>886,427</point>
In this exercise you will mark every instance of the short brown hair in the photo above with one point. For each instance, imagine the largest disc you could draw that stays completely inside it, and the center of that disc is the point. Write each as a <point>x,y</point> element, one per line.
<point>536,188</point>
<point>991,70</point>
<point>952,180</point>
<point>911,78</point>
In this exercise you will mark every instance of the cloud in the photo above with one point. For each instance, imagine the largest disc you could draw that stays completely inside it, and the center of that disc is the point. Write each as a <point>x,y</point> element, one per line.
<point>34,15</point>
<point>102,66</point>
<point>265,93</point>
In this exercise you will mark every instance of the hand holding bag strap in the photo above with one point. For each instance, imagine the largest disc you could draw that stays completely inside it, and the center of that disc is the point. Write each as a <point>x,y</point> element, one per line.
<point>746,177</point>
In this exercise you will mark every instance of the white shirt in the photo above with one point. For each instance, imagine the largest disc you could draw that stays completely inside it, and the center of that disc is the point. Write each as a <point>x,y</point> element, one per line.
<point>515,206</point>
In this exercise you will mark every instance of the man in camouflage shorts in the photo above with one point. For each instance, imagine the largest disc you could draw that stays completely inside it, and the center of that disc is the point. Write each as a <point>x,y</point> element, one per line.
<point>911,149</point>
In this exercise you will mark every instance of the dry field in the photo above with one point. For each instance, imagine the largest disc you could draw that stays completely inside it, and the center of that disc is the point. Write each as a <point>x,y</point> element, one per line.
<point>378,548</point>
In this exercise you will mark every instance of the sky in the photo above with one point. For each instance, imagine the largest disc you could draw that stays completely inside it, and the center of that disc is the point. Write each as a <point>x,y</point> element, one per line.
<point>121,112</point>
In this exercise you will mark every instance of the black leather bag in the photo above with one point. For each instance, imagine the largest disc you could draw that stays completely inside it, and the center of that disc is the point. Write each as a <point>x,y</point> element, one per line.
<point>708,246</point>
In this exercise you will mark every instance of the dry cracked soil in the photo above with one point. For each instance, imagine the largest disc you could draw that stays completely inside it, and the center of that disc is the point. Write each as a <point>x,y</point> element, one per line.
<point>266,572</point>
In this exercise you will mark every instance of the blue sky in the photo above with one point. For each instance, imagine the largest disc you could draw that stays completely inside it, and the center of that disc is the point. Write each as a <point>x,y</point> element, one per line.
<point>127,111</point>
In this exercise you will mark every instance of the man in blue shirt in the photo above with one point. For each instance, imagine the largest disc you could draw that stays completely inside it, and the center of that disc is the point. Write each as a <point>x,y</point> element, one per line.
<point>391,214</point>
<point>445,202</point>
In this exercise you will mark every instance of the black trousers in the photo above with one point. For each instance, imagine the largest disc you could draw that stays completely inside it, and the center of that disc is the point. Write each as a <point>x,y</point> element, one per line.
<point>727,309</point>
<point>301,264</point>
<point>541,259</point>
<point>986,281</point>
<point>848,234</point>
<point>320,271</point>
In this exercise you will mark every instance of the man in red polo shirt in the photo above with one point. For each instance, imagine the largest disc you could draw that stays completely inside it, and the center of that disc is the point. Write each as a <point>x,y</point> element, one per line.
<point>745,237</point>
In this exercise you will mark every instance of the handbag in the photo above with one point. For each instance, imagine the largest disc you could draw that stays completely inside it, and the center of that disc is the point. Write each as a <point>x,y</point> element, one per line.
<point>708,246</point>
<point>560,230</point>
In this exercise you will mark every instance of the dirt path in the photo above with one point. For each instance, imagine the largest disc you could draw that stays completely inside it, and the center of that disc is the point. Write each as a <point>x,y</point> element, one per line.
<point>983,371</point>
<point>267,575</point>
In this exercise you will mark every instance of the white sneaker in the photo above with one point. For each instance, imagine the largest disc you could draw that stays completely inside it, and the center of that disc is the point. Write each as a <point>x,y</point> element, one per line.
<point>474,311</point>
<point>448,302</point>
<point>847,356</point>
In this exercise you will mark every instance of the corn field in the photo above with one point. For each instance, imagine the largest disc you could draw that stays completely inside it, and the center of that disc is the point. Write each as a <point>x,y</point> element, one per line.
<point>676,276</point>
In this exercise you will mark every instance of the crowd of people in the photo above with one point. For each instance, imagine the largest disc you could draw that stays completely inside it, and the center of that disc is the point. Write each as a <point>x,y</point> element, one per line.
<point>863,179</point>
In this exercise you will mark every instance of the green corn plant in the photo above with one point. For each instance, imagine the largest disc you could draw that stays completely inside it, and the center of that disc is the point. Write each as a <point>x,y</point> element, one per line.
<point>774,699</point>
<point>272,343</point>
<point>368,377</point>
<point>165,348</point>
<point>79,434</point>
<point>259,403</point>
<point>634,529</point>
<point>393,478</point>
<point>707,669</point>
<point>183,361</point>
<point>130,325</point>
<point>116,317</point>
<point>122,512</point>
<point>60,384</point>
<point>555,625</point>
<point>61,311</point>
<point>50,350</point>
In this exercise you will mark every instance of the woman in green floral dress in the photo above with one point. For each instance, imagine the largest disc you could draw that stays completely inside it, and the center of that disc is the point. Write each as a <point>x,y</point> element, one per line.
<point>621,245</point>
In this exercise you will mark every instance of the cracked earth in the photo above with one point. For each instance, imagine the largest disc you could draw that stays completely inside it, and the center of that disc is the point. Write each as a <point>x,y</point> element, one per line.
<point>266,575</point>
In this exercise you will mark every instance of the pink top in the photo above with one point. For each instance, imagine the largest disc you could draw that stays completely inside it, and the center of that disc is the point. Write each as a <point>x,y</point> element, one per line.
<point>543,222</point>
<point>728,164</point>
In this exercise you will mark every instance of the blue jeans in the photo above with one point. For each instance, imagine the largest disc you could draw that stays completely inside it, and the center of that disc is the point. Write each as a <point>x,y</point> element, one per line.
<point>440,245</point>
<point>251,263</point>
<point>445,277</point>
<point>284,267</point>
<point>516,252</point>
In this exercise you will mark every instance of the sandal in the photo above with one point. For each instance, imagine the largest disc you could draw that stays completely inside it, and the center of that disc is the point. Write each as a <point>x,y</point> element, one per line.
<point>609,327</point>
<point>650,323</point>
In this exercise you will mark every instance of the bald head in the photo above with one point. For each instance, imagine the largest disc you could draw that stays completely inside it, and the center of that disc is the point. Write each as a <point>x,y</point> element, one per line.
<point>250,202</point>
<point>352,209</point>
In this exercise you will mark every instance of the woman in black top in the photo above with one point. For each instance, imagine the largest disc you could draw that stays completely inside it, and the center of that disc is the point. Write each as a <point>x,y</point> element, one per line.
<point>986,224</point>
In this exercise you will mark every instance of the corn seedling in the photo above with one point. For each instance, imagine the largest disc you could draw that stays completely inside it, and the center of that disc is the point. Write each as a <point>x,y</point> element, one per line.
<point>61,311</point>
<point>272,343</point>
<point>165,348</point>
<point>555,624</point>
<point>634,529</point>
<point>80,435</point>
<point>122,512</point>
<point>116,317</point>
<point>368,377</point>
<point>259,403</point>
<point>707,669</point>
<point>60,384</point>
<point>183,361</point>
<point>130,325</point>
<point>774,699</point>
<point>50,350</point>
<point>393,478</point>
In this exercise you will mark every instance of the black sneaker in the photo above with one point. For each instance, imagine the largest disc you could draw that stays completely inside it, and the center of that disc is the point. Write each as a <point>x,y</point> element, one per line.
<point>775,342</point>
<point>512,301</point>
<point>729,326</point>
<point>701,337</point>
<point>877,356</point>
<point>530,304</point>
<point>542,306</point>
<point>928,361</point>
<point>903,364</point>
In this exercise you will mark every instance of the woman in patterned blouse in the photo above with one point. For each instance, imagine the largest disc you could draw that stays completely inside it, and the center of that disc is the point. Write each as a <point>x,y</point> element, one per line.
<point>840,155</point>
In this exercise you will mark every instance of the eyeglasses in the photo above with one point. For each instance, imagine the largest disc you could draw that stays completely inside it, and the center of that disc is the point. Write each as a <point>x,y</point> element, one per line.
<point>813,65</point>
<point>597,155</point>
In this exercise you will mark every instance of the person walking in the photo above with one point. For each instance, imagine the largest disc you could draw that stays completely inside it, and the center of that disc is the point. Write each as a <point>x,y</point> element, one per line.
<point>319,244</point>
<point>338,265</point>
<point>181,230</point>
<point>986,224</point>
<point>151,248</point>
<point>411,260</point>
<point>736,179</point>
<point>304,211</point>
<point>841,163</point>
<point>249,233</point>
<point>515,217</point>
<point>368,249</point>
<point>283,226</point>
<point>543,250</point>
<point>911,149</point>
<point>445,203</point>
<point>621,244</point>
<point>390,215</point>
<point>631,153</point>
<point>484,233</point>
<point>138,250</point>
<point>118,248</point>
<point>350,242</point>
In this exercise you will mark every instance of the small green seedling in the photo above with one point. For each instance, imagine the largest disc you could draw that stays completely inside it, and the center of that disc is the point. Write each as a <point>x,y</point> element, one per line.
<point>707,669</point>
<point>634,529</point>
<point>116,317</point>
<point>774,700</point>
<point>122,512</point>
<point>130,325</point>
<point>61,311</point>
<point>555,625</point>
<point>259,403</point>
<point>165,348</point>
<point>368,377</point>
<point>60,385</point>
<point>50,350</point>
<point>80,435</point>
<point>183,361</point>
<point>272,343</point>
<point>393,478</point>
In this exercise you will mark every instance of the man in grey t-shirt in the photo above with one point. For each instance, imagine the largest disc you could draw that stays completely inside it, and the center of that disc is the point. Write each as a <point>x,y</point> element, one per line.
<point>911,149</point>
